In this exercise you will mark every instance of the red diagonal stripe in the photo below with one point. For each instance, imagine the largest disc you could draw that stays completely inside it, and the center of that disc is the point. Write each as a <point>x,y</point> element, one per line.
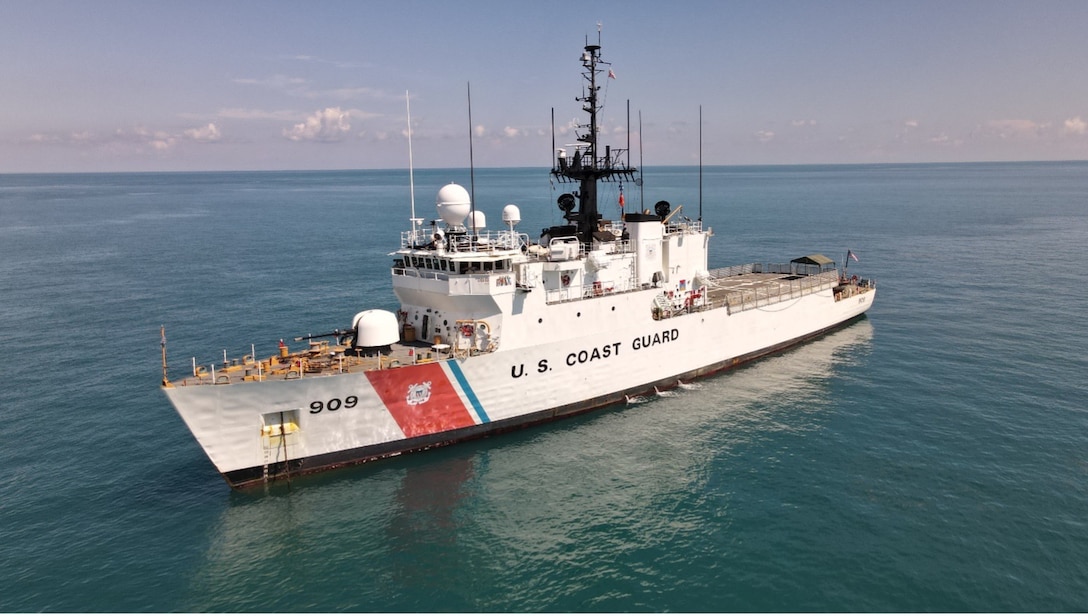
<point>441,410</point>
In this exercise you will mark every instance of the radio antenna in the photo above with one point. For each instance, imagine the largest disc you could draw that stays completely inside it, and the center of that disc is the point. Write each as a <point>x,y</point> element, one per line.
<point>471,166</point>
<point>411,169</point>
<point>641,179</point>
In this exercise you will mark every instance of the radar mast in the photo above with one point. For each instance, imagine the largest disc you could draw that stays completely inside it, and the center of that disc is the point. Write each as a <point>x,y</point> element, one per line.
<point>588,166</point>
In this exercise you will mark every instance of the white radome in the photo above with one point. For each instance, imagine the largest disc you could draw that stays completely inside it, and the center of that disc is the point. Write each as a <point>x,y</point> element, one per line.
<point>453,204</point>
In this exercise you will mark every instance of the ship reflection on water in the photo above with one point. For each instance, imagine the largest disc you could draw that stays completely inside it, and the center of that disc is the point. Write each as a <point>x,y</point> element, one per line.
<point>536,495</point>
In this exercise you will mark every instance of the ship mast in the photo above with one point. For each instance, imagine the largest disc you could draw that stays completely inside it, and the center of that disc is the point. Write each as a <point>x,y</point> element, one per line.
<point>588,166</point>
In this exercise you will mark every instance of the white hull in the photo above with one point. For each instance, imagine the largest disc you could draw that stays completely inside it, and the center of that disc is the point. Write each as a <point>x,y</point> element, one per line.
<point>424,405</point>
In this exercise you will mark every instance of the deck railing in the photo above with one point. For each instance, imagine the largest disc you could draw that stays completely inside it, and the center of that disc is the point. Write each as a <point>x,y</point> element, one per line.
<point>768,292</point>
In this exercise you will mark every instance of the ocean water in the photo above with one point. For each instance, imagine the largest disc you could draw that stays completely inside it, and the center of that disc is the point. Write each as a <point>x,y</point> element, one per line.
<point>931,457</point>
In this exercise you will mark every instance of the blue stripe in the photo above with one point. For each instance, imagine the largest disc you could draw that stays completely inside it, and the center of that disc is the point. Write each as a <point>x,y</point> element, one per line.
<point>461,380</point>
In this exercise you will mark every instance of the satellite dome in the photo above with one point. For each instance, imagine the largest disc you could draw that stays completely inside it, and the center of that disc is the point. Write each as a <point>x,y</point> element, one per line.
<point>453,204</point>
<point>477,219</point>
<point>511,215</point>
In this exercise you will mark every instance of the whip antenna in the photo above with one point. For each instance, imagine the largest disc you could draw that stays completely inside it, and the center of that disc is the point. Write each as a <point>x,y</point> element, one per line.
<point>411,168</point>
<point>471,166</point>
<point>700,163</point>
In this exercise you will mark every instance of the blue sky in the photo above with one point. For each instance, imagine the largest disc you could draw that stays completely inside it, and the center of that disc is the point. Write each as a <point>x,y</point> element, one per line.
<point>149,86</point>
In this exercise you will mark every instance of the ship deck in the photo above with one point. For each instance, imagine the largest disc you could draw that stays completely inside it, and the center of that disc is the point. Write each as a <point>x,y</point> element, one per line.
<point>753,286</point>
<point>734,289</point>
<point>320,359</point>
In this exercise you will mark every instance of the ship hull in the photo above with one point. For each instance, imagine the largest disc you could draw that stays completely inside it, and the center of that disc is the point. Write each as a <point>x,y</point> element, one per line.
<point>616,350</point>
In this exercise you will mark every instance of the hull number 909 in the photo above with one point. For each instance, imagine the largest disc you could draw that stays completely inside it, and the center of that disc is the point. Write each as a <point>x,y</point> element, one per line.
<point>333,405</point>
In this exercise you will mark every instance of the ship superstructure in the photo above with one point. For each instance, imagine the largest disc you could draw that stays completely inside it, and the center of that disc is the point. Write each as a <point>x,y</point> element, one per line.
<point>496,330</point>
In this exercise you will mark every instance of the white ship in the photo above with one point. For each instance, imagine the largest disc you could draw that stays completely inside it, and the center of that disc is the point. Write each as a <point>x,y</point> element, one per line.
<point>497,331</point>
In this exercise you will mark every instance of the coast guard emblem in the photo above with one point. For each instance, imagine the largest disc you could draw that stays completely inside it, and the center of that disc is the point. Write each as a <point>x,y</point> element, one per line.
<point>418,393</point>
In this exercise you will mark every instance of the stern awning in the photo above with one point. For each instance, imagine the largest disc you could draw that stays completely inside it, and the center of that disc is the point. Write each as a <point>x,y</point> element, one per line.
<point>817,259</point>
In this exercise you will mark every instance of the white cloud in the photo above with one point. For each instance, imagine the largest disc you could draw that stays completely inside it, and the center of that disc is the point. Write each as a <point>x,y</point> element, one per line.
<point>328,125</point>
<point>910,124</point>
<point>241,113</point>
<point>276,82</point>
<point>511,132</point>
<point>337,63</point>
<point>204,134</point>
<point>801,123</point>
<point>344,94</point>
<point>764,135</point>
<point>942,139</point>
<point>1012,129</point>
<point>1076,126</point>
<point>158,140</point>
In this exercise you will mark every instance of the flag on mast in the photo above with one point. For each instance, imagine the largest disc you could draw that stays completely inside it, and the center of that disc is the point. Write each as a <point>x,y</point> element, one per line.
<point>850,255</point>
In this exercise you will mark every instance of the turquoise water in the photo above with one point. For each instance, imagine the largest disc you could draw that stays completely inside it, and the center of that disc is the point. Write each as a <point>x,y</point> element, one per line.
<point>932,457</point>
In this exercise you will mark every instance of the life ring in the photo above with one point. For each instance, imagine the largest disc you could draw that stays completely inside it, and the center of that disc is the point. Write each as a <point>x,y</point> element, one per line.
<point>566,280</point>
<point>467,331</point>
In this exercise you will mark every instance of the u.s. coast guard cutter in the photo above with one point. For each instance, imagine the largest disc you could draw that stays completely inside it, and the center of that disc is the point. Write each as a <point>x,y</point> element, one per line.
<point>496,331</point>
